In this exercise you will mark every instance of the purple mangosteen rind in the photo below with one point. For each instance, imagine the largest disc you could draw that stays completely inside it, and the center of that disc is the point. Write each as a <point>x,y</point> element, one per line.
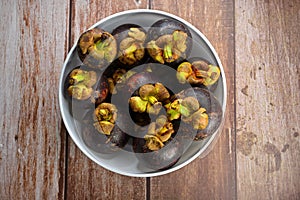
<point>101,91</point>
<point>165,27</point>
<point>105,144</point>
<point>99,87</point>
<point>161,159</point>
<point>97,48</point>
<point>131,45</point>
<point>118,137</point>
<point>213,108</point>
<point>160,29</point>
<point>97,141</point>
<point>121,31</point>
<point>81,107</point>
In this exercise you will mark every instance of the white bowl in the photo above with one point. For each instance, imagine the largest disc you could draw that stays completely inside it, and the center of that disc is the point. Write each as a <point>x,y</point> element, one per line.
<point>124,162</point>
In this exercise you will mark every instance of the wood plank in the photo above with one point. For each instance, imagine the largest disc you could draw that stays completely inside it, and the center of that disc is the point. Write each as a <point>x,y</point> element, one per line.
<point>268,99</point>
<point>32,141</point>
<point>212,177</point>
<point>87,180</point>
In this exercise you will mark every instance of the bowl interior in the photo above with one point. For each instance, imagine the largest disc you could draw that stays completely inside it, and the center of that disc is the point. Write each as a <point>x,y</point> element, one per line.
<point>125,162</point>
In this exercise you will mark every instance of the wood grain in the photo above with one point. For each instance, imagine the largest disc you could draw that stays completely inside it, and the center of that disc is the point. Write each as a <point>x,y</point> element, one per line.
<point>33,39</point>
<point>268,99</point>
<point>256,158</point>
<point>212,177</point>
<point>87,180</point>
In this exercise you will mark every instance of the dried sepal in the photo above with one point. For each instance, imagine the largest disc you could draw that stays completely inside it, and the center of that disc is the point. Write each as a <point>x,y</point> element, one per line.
<point>147,92</point>
<point>161,92</point>
<point>155,108</point>
<point>80,91</point>
<point>173,110</point>
<point>179,38</point>
<point>199,119</point>
<point>111,86</point>
<point>153,143</point>
<point>97,48</point>
<point>159,132</point>
<point>189,110</point>
<point>131,49</point>
<point>80,83</point>
<point>164,130</point>
<point>137,34</point>
<point>214,74</point>
<point>191,104</point>
<point>150,98</point>
<point>154,93</point>
<point>105,116</point>
<point>168,48</point>
<point>88,78</point>
<point>181,107</point>
<point>155,51</point>
<point>137,104</point>
<point>104,127</point>
<point>184,71</point>
<point>198,72</point>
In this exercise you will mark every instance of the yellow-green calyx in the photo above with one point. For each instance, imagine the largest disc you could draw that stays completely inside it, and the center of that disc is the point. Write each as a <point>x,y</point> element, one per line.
<point>159,132</point>
<point>190,112</point>
<point>81,83</point>
<point>168,48</point>
<point>199,119</point>
<point>198,72</point>
<point>131,48</point>
<point>98,44</point>
<point>184,107</point>
<point>153,143</point>
<point>105,116</point>
<point>150,98</point>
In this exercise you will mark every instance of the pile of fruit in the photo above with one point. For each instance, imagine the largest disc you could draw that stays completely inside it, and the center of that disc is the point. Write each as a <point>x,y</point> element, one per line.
<point>138,90</point>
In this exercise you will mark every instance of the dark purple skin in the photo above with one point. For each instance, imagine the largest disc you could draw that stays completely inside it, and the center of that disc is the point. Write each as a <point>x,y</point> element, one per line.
<point>101,91</point>
<point>130,86</point>
<point>168,26</point>
<point>118,138</point>
<point>101,143</point>
<point>139,79</point>
<point>110,70</point>
<point>120,33</point>
<point>97,141</point>
<point>212,106</point>
<point>141,119</point>
<point>162,159</point>
<point>88,59</point>
<point>121,98</point>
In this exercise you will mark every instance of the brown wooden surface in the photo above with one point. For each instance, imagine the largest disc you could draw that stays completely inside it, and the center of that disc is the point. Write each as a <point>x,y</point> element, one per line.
<point>268,99</point>
<point>257,155</point>
<point>34,38</point>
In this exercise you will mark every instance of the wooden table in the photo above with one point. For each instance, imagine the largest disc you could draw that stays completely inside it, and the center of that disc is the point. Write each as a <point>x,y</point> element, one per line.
<point>257,155</point>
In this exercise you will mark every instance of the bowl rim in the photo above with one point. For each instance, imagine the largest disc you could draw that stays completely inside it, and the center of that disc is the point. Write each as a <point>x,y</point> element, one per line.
<point>191,158</point>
